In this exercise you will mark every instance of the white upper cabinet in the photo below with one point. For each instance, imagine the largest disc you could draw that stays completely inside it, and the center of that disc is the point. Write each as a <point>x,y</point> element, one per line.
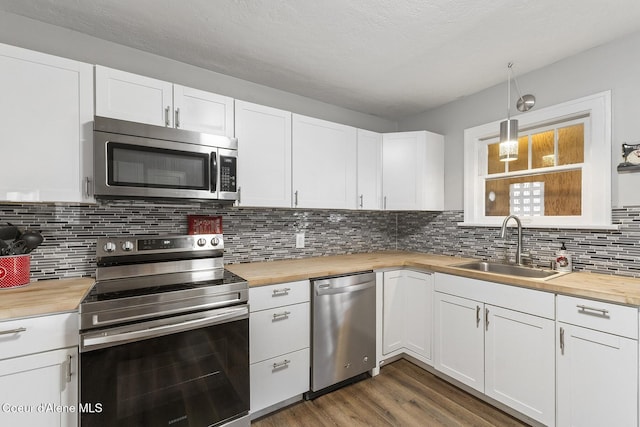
<point>46,134</point>
<point>264,153</point>
<point>202,111</point>
<point>413,171</point>
<point>369,179</point>
<point>128,96</point>
<point>324,164</point>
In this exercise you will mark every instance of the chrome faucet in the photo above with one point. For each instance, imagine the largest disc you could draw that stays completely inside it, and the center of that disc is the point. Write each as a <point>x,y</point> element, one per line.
<point>503,235</point>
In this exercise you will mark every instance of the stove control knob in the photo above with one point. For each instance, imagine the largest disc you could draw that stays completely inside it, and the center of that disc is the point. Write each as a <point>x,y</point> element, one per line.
<point>202,241</point>
<point>215,241</point>
<point>127,246</point>
<point>109,247</point>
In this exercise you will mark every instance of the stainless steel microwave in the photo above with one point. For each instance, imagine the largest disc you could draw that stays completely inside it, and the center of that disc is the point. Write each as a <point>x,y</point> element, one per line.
<point>139,160</point>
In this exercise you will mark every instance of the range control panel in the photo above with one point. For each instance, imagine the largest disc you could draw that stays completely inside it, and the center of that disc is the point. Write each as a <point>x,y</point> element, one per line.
<point>138,245</point>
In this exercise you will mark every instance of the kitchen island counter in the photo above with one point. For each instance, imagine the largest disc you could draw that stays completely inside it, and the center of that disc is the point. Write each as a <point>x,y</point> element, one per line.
<point>609,288</point>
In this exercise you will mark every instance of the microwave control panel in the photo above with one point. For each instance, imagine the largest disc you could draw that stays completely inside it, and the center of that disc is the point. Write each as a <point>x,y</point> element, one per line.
<point>228,169</point>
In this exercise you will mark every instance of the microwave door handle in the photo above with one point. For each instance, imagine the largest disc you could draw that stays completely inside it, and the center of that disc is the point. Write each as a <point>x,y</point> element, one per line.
<point>214,172</point>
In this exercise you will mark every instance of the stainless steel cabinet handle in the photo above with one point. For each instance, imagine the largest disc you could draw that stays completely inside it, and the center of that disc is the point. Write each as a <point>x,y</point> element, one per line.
<point>280,292</point>
<point>166,116</point>
<point>295,198</point>
<point>68,373</point>
<point>361,200</point>
<point>87,186</point>
<point>177,119</point>
<point>486,319</point>
<point>384,206</point>
<point>561,340</point>
<point>283,315</point>
<point>13,331</point>
<point>477,316</point>
<point>586,309</point>
<point>239,195</point>
<point>282,364</point>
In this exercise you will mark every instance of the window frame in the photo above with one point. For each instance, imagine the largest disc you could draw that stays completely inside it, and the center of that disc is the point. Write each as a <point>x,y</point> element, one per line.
<point>596,169</point>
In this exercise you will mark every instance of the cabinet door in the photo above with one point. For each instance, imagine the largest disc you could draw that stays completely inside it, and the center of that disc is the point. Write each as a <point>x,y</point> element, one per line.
<point>393,312</point>
<point>519,362</point>
<point>278,379</point>
<point>46,134</point>
<point>459,339</point>
<point>324,164</point>
<point>278,330</point>
<point>597,378</point>
<point>413,171</point>
<point>127,96</point>
<point>264,152</point>
<point>418,288</point>
<point>201,111</point>
<point>45,385</point>
<point>369,179</point>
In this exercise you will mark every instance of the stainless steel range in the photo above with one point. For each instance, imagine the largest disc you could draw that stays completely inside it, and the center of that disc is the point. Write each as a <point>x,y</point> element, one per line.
<point>164,337</point>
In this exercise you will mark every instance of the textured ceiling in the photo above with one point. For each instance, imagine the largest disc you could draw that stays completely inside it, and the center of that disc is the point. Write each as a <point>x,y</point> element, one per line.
<point>391,58</point>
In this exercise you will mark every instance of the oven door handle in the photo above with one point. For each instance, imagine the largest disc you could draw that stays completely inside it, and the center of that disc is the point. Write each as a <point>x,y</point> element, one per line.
<point>96,340</point>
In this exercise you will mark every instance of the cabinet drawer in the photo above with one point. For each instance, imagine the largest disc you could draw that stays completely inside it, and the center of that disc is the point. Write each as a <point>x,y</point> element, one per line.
<point>601,316</point>
<point>278,379</point>
<point>264,297</point>
<point>278,331</point>
<point>33,335</point>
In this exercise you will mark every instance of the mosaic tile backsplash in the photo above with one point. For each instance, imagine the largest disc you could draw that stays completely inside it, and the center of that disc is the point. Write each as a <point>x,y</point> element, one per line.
<point>251,234</point>
<point>258,234</point>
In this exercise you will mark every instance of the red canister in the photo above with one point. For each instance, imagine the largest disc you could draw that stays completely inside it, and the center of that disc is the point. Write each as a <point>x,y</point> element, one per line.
<point>14,270</point>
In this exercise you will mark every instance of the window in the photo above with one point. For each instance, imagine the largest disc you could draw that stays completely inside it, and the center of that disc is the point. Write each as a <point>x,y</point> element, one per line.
<point>562,174</point>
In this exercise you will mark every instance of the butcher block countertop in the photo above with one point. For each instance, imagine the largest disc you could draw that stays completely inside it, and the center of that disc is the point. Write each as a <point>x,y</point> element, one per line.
<point>54,296</point>
<point>609,288</point>
<point>43,297</point>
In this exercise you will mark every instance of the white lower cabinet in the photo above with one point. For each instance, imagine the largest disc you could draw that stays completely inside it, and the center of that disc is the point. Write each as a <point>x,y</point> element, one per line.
<point>597,363</point>
<point>408,314</point>
<point>459,339</point>
<point>39,379</point>
<point>485,340</point>
<point>519,362</point>
<point>279,340</point>
<point>280,378</point>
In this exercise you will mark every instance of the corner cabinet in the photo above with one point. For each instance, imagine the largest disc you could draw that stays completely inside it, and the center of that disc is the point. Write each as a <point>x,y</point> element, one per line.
<point>127,96</point>
<point>407,314</point>
<point>264,174</point>
<point>369,173</point>
<point>324,164</point>
<point>597,363</point>
<point>39,371</point>
<point>499,340</point>
<point>47,104</point>
<point>413,171</point>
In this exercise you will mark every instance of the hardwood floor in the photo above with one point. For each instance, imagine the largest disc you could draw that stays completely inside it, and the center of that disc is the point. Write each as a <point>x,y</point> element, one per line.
<point>402,395</point>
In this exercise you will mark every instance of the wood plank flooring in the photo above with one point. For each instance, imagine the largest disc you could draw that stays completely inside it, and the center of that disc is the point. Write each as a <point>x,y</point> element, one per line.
<point>402,395</point>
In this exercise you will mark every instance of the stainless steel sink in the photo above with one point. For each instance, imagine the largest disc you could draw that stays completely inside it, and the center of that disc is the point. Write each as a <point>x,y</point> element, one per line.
<point>508,269</point>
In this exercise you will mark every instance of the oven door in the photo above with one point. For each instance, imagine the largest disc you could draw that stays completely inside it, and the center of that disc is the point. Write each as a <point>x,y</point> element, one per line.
<point>189,370</point>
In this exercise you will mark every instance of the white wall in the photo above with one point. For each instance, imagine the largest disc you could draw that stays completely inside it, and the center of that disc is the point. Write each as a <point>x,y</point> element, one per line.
<point>30,34</point>
<point>614,66</point>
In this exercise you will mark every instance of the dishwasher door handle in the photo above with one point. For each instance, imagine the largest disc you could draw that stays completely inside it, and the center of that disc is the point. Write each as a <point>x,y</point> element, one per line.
<point>326,289</point>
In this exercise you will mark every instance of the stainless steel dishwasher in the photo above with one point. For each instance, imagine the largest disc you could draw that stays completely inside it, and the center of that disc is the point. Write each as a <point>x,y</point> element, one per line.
<point>343,330</point>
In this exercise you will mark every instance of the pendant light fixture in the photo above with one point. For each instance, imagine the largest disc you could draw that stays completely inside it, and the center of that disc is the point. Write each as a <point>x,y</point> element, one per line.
<point>509,128</point>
